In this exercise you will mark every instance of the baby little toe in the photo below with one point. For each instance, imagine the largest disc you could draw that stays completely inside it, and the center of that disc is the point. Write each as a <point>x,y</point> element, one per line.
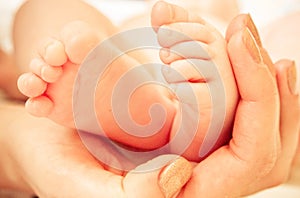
<point>165,13</point>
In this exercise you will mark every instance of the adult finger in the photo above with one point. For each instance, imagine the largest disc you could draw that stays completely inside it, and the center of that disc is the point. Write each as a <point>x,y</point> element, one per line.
<point>289,125</point>
<point>253,149</point>
<point>239,23</point>
<point>171,173</point>
<point>289,105</point>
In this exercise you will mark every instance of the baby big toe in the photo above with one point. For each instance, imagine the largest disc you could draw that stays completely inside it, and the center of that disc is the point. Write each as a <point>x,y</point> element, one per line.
<point>31,85</point>
<point>165,13</point>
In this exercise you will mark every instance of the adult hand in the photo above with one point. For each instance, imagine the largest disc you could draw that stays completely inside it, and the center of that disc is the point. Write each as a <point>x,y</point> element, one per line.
<point>266,127</point>
<point>49,160</point>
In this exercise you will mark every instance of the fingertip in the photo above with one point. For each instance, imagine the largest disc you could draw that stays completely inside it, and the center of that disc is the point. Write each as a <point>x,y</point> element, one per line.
<point>241,22</point>
<point>237,24</point>
<point>163,175</point>
<point>287,77</point>
<point>174,176</point>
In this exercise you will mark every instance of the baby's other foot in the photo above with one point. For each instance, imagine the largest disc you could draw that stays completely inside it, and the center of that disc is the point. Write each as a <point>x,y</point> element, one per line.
<point>196,50</point>
<point>49,85</point>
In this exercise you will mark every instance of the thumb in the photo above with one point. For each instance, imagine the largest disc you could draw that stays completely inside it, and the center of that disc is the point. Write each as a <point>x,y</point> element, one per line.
<point>170,171</point>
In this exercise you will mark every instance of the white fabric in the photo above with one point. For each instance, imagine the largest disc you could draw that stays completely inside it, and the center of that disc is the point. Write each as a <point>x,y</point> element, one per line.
<point>261,11</point>
<point>114,9</point>
<point>266,11</point>
<point>7,11</point>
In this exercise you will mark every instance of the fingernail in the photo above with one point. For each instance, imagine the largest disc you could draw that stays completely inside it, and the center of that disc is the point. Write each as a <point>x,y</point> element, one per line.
<point>252,46</point>
<point>292,79</point>
<point>174,176</point>
<point>253,29</point>
<point>268,61</point>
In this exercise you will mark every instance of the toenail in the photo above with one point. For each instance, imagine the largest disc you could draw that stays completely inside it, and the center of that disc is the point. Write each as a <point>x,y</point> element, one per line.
<point>55,53</point>
<point>36,65</point>
<point>165,52</point>
<point>50,46</point>
<point>51,74</point>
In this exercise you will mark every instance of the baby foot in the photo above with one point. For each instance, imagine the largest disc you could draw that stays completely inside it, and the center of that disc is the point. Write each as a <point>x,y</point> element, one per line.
<point>196,50</point>
<point>49,84</point>
<point>49,87</point>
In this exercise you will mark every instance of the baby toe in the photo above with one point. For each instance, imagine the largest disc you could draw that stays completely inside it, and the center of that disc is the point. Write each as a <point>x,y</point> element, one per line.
<point>48,73</point>
<point>39,106</point>
<point>51,74</point>
<point>193,71</point>
<point>53,52</point>
<point>184,50</point>
<point>165,13</point>
<point>169,35</point>
<point>31,85</point>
